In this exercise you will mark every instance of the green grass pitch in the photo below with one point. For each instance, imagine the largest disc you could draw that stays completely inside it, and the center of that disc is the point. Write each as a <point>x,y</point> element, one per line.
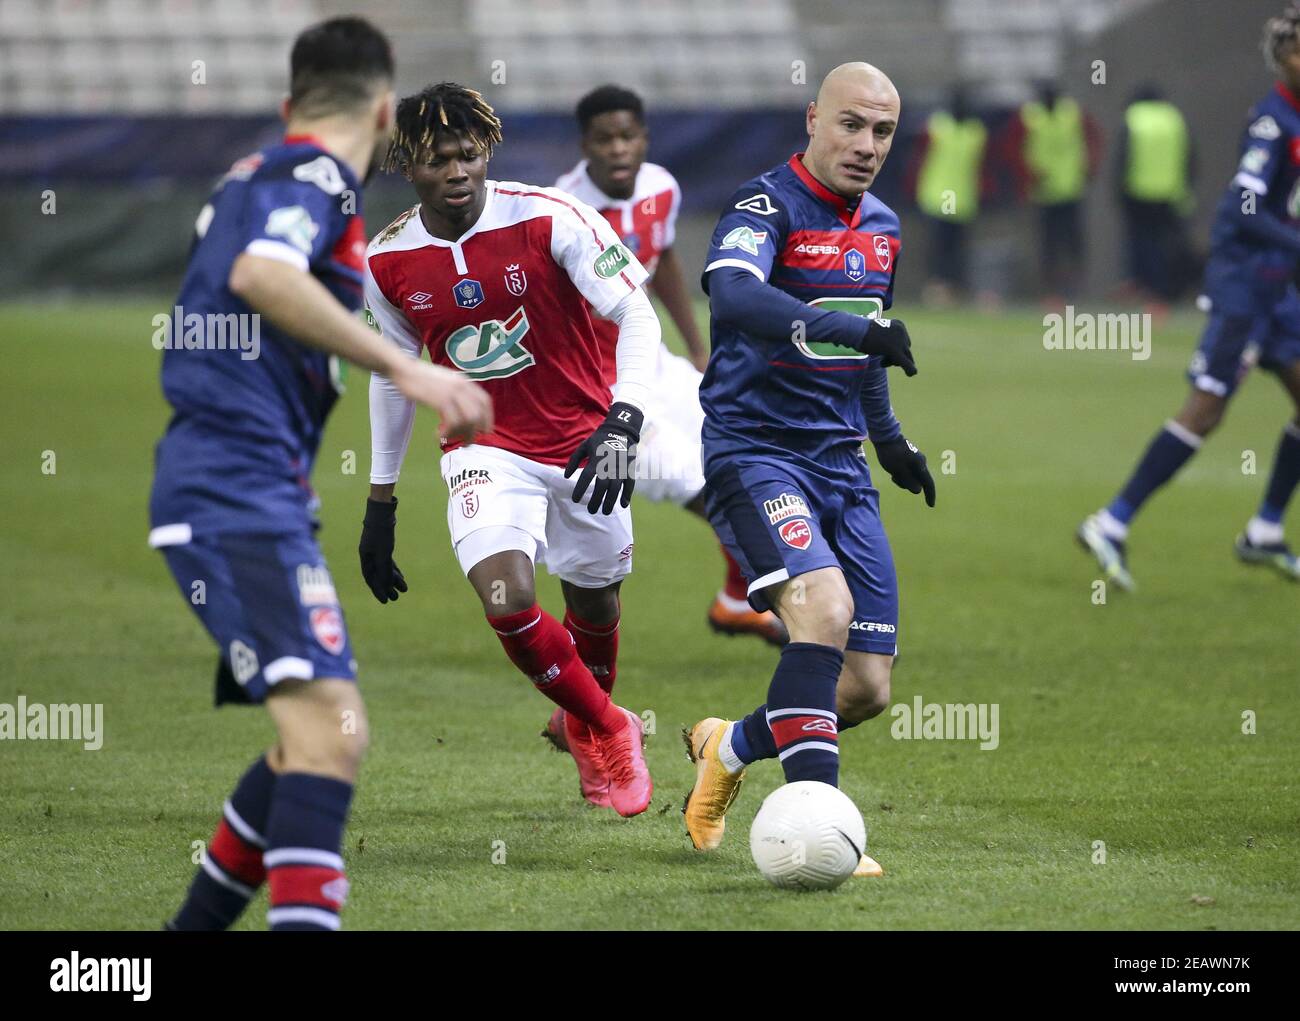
<point>1120,723</point>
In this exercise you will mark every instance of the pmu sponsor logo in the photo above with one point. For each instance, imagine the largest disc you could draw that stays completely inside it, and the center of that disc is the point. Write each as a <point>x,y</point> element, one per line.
<point>797,533</point>
<point>872,625</point>
<point>74,974</point>
<point>938,721</point>
<point>469,477</point>
<point>787,505</point>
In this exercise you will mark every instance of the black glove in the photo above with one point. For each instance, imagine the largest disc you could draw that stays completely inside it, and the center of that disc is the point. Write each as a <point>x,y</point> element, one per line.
<point>610,453</point>
<point>888,338</point>
<point>376,550</point>
<point>906,466</point>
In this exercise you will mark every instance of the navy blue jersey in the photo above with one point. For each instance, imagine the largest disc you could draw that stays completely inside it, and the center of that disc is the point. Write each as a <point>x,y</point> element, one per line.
<point>249,402</point>
<point>1270,168</point>
<point>788,393</point>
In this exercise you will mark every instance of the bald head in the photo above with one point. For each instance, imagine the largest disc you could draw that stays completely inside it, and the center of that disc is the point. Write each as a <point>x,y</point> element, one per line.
<point>851,127</point>
<point>857,80</point>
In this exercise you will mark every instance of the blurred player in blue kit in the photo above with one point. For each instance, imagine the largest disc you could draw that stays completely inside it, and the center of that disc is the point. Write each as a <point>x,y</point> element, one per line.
<point>1254,319</point>
<point>281,242</point>
<point>801,264</point>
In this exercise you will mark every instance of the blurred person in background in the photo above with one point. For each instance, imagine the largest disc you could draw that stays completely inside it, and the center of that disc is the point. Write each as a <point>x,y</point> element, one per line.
<point>946,178</point>
<point>1057,146</point>
<point>641,201</point>
<point>1154,166</point>
<point>1254,319</point>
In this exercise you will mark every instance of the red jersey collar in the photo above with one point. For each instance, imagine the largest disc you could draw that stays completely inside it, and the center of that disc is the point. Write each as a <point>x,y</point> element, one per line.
<point>1289,96</point>
<point>305,140</point>
<point>836,202</point>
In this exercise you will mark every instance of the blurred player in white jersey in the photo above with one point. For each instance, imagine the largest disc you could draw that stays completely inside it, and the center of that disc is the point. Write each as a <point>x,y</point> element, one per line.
<point>497,279</point>
<point>641,201</point>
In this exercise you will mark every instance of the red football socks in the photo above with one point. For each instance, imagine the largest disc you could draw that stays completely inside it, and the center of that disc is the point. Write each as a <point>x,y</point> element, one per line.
<point>539,645</point>
<point>597,646</point>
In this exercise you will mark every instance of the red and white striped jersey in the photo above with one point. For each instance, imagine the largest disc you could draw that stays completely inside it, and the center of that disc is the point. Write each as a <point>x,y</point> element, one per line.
<point>646,222</point>
<point>509,304</point>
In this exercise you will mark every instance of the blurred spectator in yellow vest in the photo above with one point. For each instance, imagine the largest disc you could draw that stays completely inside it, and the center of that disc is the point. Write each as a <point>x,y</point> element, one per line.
<point>947,180</point>
<point>1059,149</point>
<point>1154,168</point>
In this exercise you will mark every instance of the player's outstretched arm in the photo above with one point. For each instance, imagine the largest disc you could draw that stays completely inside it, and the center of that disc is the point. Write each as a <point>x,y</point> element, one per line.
<point>301,306</point>
<point>739,298</point>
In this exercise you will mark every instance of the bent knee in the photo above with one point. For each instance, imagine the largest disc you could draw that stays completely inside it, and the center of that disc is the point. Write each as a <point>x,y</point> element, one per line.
<point>330,736</point>
<point>864,694</point>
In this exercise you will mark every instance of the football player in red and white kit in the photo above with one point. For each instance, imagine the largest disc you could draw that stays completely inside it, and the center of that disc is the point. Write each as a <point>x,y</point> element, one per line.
<point>641,201</point>
<point>500,280</point>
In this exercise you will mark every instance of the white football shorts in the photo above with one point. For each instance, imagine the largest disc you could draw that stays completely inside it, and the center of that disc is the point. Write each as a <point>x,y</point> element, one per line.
<point>500,501</point>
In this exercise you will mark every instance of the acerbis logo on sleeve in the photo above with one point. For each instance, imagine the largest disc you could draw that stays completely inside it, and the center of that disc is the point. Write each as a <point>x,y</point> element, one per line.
<point>760,204</point>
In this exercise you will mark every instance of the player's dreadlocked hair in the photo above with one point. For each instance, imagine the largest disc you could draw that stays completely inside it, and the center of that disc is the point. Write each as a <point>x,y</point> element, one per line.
<point>445,108</point>
<point>1280,35</point>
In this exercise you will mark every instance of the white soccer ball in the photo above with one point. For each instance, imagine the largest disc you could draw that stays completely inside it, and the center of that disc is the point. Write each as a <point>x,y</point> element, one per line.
<point>807,835</point>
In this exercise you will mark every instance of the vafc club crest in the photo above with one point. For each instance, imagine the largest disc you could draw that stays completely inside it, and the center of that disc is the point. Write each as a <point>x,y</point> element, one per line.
<point>797,533</point>
<point>469,504</point>
<point>855,265</point>
<point>884,254</point>
<point>516,281</point>
<point>327,626</point>
<point>468,293</point>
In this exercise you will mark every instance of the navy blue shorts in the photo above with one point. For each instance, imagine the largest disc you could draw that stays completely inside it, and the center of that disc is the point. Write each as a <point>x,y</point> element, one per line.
<point>780,520</point>
<point>269,603</point>
<point>1246,327</point>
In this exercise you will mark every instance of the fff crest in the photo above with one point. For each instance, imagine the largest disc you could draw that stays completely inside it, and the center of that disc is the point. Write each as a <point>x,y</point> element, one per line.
<point>855,266</point>
<point>468,293</point>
